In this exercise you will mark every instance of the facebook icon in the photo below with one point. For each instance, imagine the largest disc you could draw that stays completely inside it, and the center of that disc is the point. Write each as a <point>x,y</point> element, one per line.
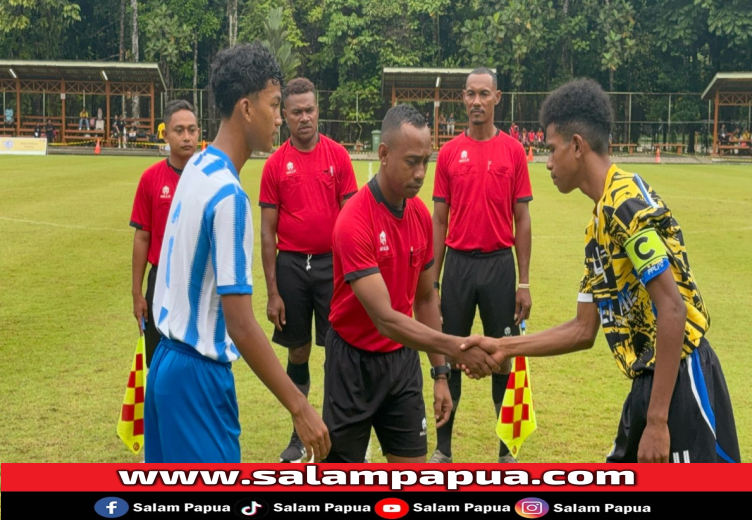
<point>111,507</point>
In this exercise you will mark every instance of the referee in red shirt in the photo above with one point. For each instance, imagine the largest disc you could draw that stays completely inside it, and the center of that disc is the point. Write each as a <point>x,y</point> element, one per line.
<point>383,254</point>
<point>150,209</point>
<point>303,187</point>
<point>482,178</point>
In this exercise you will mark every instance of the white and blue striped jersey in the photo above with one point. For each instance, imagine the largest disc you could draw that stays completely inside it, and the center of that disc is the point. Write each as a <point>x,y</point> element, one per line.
<point>207,252</point>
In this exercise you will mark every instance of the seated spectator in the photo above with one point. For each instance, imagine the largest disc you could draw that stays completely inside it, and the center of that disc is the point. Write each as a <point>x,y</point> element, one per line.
<point>442,124</point>
<point>38,130</point>
<point>9,120</point>
<point>83,119</point>
<point>49,132</point>
<point>450,124</point>
<point>133,134</point>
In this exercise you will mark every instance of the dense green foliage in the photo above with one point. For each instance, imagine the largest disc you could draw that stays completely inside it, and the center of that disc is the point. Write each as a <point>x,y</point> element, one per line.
<point>634,45</point>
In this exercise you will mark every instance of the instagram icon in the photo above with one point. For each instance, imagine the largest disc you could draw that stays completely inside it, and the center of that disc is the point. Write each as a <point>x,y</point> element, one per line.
<point>531,508</point>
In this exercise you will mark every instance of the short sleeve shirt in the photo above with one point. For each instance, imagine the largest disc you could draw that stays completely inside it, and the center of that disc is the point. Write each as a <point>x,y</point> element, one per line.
<point>152,204</point>
<point>207,253</point>
<point>631,239</point>
<point>372,237</point>
<point>307,189</point>
<point>481,181</point>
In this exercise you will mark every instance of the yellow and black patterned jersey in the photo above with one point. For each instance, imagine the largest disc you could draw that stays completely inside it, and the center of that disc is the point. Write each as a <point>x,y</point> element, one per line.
<point>631,239</point>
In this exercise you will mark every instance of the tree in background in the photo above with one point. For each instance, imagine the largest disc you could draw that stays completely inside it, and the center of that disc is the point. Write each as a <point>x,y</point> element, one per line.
<point>275,39</point>
<point>134,54</point>
<point>30,29</point>
<point>167,38</point>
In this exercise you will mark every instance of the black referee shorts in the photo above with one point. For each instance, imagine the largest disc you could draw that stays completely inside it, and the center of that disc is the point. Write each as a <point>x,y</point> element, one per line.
<point>700,418</point>
<point>485,280</point>
<point>371,389</point>
<point>305,283</point>
<point>151,334</point>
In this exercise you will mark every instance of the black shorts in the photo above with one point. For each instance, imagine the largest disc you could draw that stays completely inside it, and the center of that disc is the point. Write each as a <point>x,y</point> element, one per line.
<point>485,280</point>
<point>151,334</point>
<point>700,418</point>
<point>305,284</point>
<point>364,389</point>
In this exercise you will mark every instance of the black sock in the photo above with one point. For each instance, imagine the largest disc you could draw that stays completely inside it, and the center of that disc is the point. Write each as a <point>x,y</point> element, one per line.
<point>444,434</point>
<point>300,375</point>
<point>498,387</point>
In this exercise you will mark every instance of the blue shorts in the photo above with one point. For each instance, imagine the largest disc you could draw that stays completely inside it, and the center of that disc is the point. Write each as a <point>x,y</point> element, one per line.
<point>190,409</point>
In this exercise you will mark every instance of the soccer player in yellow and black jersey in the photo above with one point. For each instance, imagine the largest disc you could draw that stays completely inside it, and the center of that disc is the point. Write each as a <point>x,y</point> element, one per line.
<point>639,286</point>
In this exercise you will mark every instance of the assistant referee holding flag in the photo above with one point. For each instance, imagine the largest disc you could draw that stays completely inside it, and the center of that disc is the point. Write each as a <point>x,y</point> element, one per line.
<point>482,178</point>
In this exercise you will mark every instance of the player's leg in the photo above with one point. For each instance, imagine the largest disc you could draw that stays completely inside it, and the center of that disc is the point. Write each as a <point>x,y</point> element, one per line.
<point>400,422</point>
<point>151,334</point>
<point>196,406</point>
<point>322,278</point>
<point>458,302</point>
<point>296,292</point>
<point>701,419</point>
<point>632,422</point>
<point>353,391</point>
<point>152,434</point>
<point>497,284</point>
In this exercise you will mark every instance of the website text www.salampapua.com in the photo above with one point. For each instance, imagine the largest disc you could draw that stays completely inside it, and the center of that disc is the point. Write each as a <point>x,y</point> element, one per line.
<point>394,479</point>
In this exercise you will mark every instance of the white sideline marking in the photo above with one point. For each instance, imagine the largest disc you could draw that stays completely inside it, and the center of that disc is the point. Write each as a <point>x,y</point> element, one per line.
<point>67,226</point>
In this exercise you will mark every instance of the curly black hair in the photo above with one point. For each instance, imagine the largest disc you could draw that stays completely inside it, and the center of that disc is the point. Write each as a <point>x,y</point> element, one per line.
<point>580,107</point>
<point>399,115</point>
<point>298,86</point>
<point>239,71</point>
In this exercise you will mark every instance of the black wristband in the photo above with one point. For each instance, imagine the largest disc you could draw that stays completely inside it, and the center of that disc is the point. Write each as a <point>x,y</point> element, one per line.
<point>436,285</point>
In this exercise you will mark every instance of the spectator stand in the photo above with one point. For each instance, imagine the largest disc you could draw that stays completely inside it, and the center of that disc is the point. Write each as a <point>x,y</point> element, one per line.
<point>729,89</point>
<point>425,85</point>
<point>66,81</point>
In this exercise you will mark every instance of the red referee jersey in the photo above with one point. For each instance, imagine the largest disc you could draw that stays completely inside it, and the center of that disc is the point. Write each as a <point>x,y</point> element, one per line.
<point>152,204</point>
<point>482,181</point>
<point>307,189</point>
<point>371,237</point>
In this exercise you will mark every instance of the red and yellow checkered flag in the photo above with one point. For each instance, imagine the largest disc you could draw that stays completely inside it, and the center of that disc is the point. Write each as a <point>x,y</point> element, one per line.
<point>130,427</point>
<point>517,417</point>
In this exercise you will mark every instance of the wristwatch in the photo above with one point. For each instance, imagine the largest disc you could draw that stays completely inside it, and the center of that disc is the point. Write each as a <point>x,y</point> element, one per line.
<point>436,285</point>
<point>442,370</point>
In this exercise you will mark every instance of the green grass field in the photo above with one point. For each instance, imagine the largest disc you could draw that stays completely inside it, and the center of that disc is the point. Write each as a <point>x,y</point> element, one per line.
<point>67,333</point>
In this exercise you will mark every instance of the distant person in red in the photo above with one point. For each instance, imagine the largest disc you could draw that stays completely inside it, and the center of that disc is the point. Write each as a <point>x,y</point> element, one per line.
<point>514,131</point>
<point>383,254</point>
<point>481,195</point>
<point>150,209</point>
<point>304,185</point>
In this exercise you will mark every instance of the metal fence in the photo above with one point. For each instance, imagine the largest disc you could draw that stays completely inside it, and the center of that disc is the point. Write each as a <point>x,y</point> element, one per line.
<point>640,118</point>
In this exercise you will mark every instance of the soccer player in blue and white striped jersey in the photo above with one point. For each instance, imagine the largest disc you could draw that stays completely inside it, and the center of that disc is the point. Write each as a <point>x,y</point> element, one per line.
<point>202,300</point>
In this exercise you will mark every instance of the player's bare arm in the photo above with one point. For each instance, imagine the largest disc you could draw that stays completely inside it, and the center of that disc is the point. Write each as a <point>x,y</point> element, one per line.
<point>373,294</point>
<point>523,240</point>
<point>670,322</point>
<point>572,336</point>
<point>141,241</point>
<point>253,345</point>
<point>427,312</point>
<point>275,307</point>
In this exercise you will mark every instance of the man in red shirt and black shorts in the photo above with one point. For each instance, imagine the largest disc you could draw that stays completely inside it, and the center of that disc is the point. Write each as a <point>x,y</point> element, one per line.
<point>482,176</point>
<point>303,187</point>
<point>383,254</point>
<point>150,209</point>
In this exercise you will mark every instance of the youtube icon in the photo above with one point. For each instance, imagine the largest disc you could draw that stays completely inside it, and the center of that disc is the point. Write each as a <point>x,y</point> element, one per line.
<point>391,508</point>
